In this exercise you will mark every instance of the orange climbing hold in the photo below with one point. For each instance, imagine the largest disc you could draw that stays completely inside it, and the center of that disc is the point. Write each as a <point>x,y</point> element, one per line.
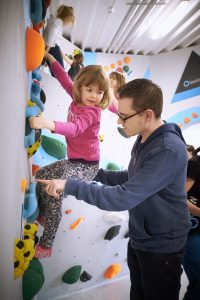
<point>187,120</point>
<point>35,168</point>
<point>195,115</point>
<point>68,211</point>
<point>112,271</point>
<point>76,223</point>
<point>34,49</point>
<point>127,60</point>
<point>23,185</point>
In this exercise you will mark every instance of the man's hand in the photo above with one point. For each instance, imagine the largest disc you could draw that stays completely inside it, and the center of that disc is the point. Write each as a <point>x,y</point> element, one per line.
<point>54,187</point>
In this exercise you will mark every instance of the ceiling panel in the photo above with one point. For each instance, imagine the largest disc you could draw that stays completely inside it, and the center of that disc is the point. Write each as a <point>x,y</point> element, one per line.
<point>133,26</point>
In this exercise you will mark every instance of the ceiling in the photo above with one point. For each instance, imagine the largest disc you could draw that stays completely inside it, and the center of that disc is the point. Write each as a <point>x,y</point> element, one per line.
<point>145,27</point>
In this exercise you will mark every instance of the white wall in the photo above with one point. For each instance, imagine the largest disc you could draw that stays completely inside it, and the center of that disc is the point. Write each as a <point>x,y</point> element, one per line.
<point>13,162</point>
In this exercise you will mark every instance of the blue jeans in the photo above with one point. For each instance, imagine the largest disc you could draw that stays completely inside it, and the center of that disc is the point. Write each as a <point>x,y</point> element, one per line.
<point>154,276</point>
<point>191,265</point>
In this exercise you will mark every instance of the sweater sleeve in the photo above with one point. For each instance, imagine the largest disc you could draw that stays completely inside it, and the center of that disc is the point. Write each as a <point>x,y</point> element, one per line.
<point>62,77</point>
<point>79,125</point>
<point>111,177</point>
<point>154,176</point>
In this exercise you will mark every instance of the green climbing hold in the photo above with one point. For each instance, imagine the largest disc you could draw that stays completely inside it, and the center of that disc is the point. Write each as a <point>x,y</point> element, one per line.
<point>32,281</point>
<point>53,147</point>
<point>112,167</point>
<point>36,265</point>
<point>72,275</point>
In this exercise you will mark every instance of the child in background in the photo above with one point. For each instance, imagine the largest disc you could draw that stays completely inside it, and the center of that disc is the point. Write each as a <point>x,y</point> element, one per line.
<point>76,63</point>
<point>117,80</point>
<point>54,30</point>
<point>90,94</point>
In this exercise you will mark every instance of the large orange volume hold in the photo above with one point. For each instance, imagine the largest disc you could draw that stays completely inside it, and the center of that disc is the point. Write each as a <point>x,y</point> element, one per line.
<point>35,48</point>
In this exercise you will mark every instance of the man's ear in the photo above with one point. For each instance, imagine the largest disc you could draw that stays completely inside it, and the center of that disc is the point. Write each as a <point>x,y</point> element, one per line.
<point>149,114</point>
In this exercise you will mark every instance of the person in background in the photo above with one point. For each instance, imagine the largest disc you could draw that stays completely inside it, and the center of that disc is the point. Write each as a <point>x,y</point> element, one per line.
<point>152,190</point>
<point>76,63</point>
<point>90,94</point>
<point>117,80</point>
<point>191,258</point>
<point>54,30</point>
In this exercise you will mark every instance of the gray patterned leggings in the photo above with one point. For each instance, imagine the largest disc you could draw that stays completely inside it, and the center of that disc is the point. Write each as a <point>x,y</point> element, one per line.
<point>51,207</point>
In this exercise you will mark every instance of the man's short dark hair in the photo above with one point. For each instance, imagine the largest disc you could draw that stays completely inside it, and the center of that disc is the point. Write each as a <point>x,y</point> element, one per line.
<point>145,94</point>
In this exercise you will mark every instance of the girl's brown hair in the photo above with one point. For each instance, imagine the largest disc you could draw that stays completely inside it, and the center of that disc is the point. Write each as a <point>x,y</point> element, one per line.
<point>118,77</point>
<point>92,74</point>
<point>66,13</point>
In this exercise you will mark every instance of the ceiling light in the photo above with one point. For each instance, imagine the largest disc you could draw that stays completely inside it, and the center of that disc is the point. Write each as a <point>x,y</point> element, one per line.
<point>163,27</point>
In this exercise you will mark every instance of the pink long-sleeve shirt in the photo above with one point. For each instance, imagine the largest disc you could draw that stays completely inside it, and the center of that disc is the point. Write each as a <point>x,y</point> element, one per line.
<point>81,130</point>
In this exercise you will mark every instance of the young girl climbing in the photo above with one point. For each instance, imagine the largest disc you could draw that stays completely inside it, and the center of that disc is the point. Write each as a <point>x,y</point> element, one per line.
<point>90,94</point>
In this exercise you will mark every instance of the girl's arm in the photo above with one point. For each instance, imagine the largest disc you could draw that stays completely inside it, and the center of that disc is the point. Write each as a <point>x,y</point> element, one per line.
<point>113,107</point>
<point>41,123</point>
<point>60,73</point>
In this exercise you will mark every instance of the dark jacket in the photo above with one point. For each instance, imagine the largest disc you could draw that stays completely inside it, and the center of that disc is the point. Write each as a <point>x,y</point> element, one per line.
<point>153,190</point>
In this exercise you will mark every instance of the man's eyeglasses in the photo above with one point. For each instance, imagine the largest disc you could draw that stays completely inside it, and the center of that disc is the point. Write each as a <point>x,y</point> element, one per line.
<point>124,119</point>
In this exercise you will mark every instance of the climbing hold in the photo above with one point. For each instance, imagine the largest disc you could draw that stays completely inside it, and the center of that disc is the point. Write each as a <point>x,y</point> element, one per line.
<point>112,167</point>
<point>53,147</point>
<point>32,111</point>
<point>33,280</point>
<point>126,69</point>
<point>101,137</point>
<point>35,168</point>
<point>112,271</point>
<point>33,217</point>
<point>115,217</point>
<point>85,276</point>
<point>68,211</point>
<point>42,96</point>
<point>112,232</point>
<point>35,47</point>
<point>126,234</point>
<point>72,275</point>
<point>36,75</point>
<point>23,185</point>
<point>122,132</point>
<point>76,223</point>
<point>29,138</point>
<point>32,149</point>
<point>30,202</point>
<point>29,249</point>
<point>19,264</point>
<point>36,11</point>
<point>127,60</point>
<point>30,230</point>
<point>35,95</point>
